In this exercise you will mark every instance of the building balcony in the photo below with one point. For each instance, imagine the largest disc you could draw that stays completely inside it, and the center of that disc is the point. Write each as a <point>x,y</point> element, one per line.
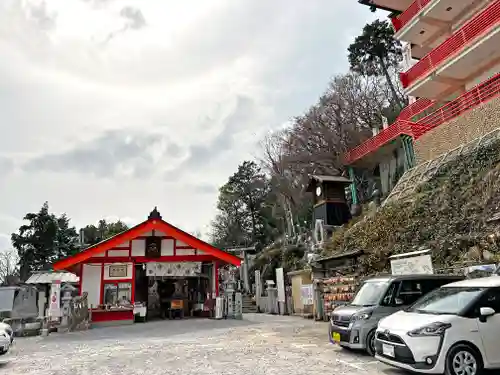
<point>387,140</point>
<point>468,54</point>
<point>388,5</point>
<point>427,23</point>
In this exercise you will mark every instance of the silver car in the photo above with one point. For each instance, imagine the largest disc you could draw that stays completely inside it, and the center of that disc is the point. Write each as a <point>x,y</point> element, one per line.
<point>353,326</point>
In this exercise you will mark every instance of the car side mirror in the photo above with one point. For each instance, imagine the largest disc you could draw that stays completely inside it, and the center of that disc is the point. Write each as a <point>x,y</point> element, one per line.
<point>399,301</point>
<point>484,313</point>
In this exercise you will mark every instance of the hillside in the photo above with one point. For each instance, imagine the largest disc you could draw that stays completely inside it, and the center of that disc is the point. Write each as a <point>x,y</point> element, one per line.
<point>454,213</point>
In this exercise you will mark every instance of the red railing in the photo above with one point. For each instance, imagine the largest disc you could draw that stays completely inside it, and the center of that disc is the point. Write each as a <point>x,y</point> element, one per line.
<point>473,98</point>
<point>400,21</point>
<point>480,94</point>
<point>477,26</point>
<point>414,109</point>
<point>392,132</point>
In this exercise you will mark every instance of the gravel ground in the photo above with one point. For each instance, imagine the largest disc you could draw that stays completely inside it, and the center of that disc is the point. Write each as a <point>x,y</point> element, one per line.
<point>259,344</point>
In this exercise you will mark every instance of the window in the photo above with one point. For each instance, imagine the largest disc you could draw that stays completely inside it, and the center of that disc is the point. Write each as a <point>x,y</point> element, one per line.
<point>410,291</point>
<point>370,293</point>
<point>447,300</point>
<point>117,294</point>
<point>391,293</point>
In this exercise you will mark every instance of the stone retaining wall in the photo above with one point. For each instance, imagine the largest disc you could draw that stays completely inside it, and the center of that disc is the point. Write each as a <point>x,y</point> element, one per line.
<point>464,129</point>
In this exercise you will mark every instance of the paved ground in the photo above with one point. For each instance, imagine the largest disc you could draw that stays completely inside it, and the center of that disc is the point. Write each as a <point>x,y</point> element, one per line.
<point>259,344</point>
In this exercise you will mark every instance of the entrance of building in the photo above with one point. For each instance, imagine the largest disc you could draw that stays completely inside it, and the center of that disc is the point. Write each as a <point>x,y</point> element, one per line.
<point>170,297</point>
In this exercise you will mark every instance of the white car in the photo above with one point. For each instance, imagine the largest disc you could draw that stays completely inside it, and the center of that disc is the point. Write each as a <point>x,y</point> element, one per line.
<point>6,338</point>
<point>453,330</point>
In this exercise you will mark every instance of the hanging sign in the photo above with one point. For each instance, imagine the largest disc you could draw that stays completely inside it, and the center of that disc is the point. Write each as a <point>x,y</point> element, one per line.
<point>118,270</point>
<point>173,269</point>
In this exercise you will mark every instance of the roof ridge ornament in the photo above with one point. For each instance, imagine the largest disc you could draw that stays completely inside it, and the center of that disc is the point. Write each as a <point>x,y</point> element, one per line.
<point>155,214</point>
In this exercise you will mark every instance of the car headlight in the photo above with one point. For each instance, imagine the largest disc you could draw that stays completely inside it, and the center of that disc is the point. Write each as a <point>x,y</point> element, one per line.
<point>433,329</point>
<point>363,316</point>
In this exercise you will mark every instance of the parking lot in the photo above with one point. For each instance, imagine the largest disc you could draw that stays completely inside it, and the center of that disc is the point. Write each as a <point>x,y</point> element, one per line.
<point>259,344</point>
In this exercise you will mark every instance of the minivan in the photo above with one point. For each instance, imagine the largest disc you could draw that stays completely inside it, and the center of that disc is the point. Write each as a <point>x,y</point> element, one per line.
<point>353,326</point>
<point>453,330</point>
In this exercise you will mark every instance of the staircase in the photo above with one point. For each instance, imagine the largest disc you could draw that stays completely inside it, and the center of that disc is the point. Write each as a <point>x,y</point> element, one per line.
<point>248,306</point>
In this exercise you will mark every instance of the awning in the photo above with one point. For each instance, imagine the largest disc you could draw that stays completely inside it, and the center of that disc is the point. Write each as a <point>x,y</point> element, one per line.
<point>50,277</point>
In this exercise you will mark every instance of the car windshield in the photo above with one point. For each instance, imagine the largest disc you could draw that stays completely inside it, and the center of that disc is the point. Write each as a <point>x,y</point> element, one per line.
<point>370,293</point>
<point>446,300</point>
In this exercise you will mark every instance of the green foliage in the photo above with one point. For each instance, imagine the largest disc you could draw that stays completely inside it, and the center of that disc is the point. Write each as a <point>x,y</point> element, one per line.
<point>244,217</point>
<point>448,214</point>
<point>375,52</point>
<point>42,240</point>
<point>103,230</point>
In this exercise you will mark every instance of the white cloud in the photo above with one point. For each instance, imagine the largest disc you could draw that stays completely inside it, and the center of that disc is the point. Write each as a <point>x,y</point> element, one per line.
<point>109,108</point>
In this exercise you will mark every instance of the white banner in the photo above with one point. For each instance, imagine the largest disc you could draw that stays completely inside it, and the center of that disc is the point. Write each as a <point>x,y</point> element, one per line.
<point>306,294</point>
<point>173,269</point>
<point>280,284</point>
<point>55,300</point>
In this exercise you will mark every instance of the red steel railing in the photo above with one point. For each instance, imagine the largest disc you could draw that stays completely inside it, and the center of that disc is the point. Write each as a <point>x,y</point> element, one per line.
<point>473,98</point>
<point>477,26</point>
<point>392,132</point>
<point>414,109</point>
<point>480,94</point>
<point>404,18</point>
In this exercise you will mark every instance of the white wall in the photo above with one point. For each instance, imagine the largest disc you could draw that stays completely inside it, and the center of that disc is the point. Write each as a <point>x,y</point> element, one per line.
<point>167,247</point>
<point>91,282</point>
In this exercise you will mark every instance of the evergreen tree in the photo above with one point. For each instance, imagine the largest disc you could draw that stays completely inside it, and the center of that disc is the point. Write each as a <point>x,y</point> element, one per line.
<point>103,230</point>
<point>375,51</point>
<point>42,240</point>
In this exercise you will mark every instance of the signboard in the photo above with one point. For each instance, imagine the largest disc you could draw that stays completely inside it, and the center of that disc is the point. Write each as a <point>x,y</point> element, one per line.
<point>280,284</point>
<point>173,269</point>
<point>55,300</point>
<point>258,284</point>
<point>416,265</point>
<point>118,270</point>
<point>306,294</point>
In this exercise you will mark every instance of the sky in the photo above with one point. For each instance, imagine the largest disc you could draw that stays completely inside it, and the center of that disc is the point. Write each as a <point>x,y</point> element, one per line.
<point>109,108</point>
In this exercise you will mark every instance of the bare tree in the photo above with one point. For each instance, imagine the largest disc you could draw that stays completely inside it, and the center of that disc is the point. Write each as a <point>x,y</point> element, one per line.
<point>8,266</point>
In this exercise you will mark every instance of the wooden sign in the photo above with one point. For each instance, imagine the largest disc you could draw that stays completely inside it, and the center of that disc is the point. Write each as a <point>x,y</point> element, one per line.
<point>118,270</point>
<point>153,247</point>
<point>177,304</point>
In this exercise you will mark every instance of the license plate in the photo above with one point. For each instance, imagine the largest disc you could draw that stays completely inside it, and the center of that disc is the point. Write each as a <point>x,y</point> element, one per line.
<point>336,337</point>
<point>388,350</point>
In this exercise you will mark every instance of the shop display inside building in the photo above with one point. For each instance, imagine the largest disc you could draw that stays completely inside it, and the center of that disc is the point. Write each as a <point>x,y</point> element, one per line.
<point>153,270</point>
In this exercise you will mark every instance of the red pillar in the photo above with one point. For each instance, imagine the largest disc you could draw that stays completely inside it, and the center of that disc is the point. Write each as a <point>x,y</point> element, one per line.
<point>132,292</point>
<point>216,278</point>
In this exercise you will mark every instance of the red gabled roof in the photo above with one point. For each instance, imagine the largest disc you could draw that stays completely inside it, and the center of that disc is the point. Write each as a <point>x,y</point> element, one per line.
<point>140,229</point>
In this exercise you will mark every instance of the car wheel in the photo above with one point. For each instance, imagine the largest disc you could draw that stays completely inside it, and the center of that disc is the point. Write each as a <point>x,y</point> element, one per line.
<point>462,359</point>
<point>370,343</point>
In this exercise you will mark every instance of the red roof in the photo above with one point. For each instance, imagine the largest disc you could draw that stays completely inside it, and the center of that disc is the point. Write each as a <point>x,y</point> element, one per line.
<point>144,227</point>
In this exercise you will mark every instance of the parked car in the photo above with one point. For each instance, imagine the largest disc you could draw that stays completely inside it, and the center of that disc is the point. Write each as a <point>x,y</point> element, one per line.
<point>453,330</point>
<point>353,326</point>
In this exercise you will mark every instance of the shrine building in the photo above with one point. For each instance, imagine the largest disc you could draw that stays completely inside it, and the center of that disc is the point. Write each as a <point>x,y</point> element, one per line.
<point>153,269</point>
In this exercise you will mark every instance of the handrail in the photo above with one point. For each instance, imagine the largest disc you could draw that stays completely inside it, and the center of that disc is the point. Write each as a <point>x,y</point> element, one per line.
<point>478,25</point>
<point>415,108</point>
<point>404,18</point>
<point>471,99</point>
<point>478,95</point>
<point>388,134</point>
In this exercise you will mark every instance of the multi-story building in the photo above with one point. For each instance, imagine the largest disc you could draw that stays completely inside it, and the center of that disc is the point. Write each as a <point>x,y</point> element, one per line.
<point>451,75</point>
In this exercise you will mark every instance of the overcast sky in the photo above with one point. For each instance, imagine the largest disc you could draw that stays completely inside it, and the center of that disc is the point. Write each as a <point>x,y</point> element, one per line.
<point>110,107</point>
